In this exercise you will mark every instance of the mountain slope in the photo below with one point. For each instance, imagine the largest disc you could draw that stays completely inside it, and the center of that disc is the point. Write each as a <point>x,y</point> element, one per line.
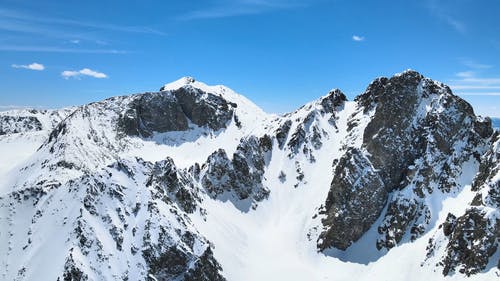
<point>195,182</point>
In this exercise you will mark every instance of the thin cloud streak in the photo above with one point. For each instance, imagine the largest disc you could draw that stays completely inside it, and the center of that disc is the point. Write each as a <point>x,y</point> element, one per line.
<point>436,8</point>
<point>50,49</point>
<point>479,81</point>
<point>241,8</point>
<point>474,64</point>
<point>478,93</point>
<point>465,74</point>
<point>472,87</point>
<point>470,84</point>
<point>15,18</point>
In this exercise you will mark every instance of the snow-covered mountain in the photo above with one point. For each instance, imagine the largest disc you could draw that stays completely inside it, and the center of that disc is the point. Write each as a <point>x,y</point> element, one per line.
<point>195,182</point>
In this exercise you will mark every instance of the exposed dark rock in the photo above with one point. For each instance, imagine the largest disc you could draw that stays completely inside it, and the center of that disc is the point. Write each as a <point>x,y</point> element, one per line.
<point>489,167</point>
<point>449,225</point>
<point>173,110</point>
<point>389,132</point>
<point>473,238</point>
<point>174,184</point>
<point>18,124</point>
<point>169,265</point>
<point>297,140</point>
<point>72,272</point>
<point>408,142</point>
<point>282,133</point>
<point>316,138</point>
<point>484,128</point>
<point>282,176</point>
<point>206,268</point>
<point>399,214</point>
<point>355,200</point>
<point>333,100</point>
<point>472,242</point>
<point>243,175</point>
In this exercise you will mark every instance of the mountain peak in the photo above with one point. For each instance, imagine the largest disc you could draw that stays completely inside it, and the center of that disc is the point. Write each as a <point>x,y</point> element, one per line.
<point>183,81</point>
<point>409,73</point>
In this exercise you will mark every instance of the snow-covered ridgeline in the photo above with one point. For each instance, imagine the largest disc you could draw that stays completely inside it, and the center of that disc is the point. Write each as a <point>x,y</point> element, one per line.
<point>152,185</point>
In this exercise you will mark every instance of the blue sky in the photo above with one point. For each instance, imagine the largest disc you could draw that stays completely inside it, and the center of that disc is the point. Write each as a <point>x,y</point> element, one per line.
<point>280,54</point>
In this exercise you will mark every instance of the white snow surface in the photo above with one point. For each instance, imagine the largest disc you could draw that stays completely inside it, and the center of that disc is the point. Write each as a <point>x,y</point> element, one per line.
<point>16,149</point>
<point>276,241</point>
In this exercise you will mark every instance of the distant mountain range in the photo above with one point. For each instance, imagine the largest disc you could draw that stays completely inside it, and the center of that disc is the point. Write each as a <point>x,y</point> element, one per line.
<point>195,182</point>
<point>495,122</point>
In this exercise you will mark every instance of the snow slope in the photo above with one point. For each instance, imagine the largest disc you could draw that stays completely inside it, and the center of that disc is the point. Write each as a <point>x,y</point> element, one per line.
<point>24,139</point>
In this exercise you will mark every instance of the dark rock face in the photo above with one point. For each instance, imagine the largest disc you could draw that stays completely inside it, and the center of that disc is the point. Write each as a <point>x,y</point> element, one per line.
<point>173,110</point>
<point>354,195</point>
<point>173,185</point>
<point>333,100</point>
<point>297,140</point>
<point>282,133</point>
<point>308,135</point>
<point>472,241</point>
<point>240,178</point>
<point>169,264</point>
<point>402,214</point>
<point>206,268</point>
<point>388,131</point>
<point>410,143</point>
<point>19,124</point>
<point>72,272</point>
<point>488,168</point>
<point>472,238</point>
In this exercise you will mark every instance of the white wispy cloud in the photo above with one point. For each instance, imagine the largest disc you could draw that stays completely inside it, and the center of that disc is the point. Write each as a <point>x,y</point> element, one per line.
<point>52,49</point>
<point>83,72</point>
<point>479,93</point>
<point>470,63</point>
<point>443,11</point>
<point>469,83</point>
<point>224,9</point>
<point>26,22</point>
<point>474,87</point>
<point>33,66</point>
<point>465,74</point>
<point>358,38</point>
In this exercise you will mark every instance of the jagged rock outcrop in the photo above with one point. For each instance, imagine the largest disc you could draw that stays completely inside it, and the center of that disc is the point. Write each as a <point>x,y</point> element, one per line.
<point>206,268</point>
<point>18,124</point>
<point>418,136</point>
<point>472,238</point>
<point>331,102</point>
<point>282,133</point>
<point>239,179</point>
<point>174,185</point>
<point>308,134</point>
<point>30,120</point>
<point>356,197</point>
